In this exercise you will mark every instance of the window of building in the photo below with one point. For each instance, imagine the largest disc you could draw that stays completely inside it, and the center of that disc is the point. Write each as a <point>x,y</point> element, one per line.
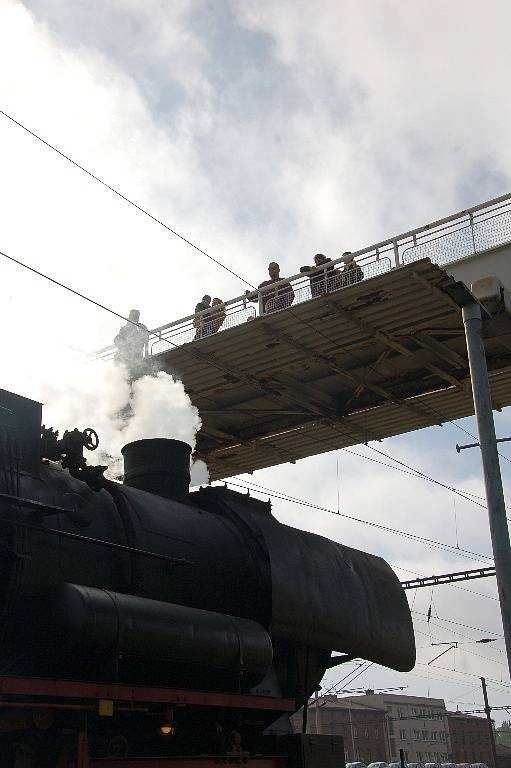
<point>406,755</point>
<point>366,733</point>
<point>376,732</point>
<point>400,712</point>
<point>402,734</point>
<point>414,711</point>
<point>425,735</point>
<point>355,734</point>
<point>434,735</point>
<point>416,735</point>
<point>419,756</point>
<point>442,735</point>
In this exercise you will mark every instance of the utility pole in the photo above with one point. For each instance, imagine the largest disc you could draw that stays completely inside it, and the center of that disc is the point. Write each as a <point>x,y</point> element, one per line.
<point>317,711</point>
<point>491,469</point>
<point>487,709</point>
<point>351,729</point>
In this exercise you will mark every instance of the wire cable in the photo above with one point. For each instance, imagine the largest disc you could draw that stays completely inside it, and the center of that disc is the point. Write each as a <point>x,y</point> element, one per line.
<point>203,252</point>
<point>66,287</point>
<point>123,197</point>
<point>406,534</point>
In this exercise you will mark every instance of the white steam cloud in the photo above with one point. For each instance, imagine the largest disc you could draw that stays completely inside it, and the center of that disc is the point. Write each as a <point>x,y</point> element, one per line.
<point>100,395</point>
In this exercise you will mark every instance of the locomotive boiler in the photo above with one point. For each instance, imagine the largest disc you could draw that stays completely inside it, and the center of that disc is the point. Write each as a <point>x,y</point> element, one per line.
<point>144,583</point>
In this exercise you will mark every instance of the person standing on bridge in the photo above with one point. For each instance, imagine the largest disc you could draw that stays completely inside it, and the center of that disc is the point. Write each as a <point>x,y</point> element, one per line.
<point>201,321</point>
<point>273,300</point>
<point>131,342</point>
<point>322,276</point>
<point>217,315</point>
<point>351,272</point>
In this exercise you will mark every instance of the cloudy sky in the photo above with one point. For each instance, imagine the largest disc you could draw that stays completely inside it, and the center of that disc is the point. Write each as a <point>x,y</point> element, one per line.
<point>261,130</point>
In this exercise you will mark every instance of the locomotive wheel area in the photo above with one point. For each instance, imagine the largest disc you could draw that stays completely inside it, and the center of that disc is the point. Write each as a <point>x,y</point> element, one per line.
<point>32,709</point>
<point>380,358</point>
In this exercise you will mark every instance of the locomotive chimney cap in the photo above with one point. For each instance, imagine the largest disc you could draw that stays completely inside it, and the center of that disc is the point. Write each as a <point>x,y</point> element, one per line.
<point>158,465</point>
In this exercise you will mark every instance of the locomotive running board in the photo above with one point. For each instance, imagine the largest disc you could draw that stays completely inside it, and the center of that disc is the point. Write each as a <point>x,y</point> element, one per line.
<point>35,688</point>
<point>192,762</point>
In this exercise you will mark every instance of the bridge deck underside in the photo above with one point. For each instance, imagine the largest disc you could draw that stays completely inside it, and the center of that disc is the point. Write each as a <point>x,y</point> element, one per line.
<point>380,358</point>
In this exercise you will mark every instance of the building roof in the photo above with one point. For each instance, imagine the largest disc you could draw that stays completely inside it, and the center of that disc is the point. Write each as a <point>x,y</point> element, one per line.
<point>399,698</point>
<point>344,703</point>
<point>464,716</point>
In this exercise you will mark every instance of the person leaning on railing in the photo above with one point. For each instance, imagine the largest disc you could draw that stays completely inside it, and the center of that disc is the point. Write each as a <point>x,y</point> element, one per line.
<point>201,319</point>
<point>351,272</point>
<point>322,275</point>
<point>216,315</point>
<point>274,299</point>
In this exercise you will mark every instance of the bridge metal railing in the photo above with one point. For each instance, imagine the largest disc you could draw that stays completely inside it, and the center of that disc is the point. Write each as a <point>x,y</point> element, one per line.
<point>447,240</point>
<point>475,232</point>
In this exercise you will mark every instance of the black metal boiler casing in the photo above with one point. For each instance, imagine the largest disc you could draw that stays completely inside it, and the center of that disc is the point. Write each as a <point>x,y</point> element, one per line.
<point>145,582</point>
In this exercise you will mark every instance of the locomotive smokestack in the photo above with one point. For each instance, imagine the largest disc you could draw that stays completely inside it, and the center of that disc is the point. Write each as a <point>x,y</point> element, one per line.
<point>159,465</point>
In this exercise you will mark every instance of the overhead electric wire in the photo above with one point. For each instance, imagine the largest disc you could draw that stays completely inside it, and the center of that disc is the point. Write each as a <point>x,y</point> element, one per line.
<point>123,197</point>
<point>66,287</point>
<point>199,355</point>
<point>413,473</point>
<point>406,534</point>
<point>410,469</point>
<point>461,647</point>
<point>427,477</point>
<point>460,624</point>
<point>353,671</point>
<point>203,252</point>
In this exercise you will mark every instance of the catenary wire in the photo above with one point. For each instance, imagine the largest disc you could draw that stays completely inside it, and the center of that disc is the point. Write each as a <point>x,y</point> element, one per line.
<point>176,234</point>
<point>191,352</point>
<point>415,537</point>
<point>199,355</point>
<point>193,245</point>
<point>123,197</point>
<point>459,624</point>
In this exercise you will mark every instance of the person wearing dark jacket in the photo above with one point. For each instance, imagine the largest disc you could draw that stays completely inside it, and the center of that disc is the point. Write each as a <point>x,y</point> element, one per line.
<point>201,321</point>
<point>322,275</point>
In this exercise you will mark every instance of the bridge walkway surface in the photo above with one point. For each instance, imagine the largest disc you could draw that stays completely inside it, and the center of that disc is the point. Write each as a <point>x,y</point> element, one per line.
<point>361,362</point>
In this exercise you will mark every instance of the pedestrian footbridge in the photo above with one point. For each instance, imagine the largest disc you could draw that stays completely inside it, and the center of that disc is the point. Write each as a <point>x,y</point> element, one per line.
<point>360,362</point>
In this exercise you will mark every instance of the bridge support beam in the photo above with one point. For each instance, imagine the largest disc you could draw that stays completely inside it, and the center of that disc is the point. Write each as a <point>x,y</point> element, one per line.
<point>491,468</point>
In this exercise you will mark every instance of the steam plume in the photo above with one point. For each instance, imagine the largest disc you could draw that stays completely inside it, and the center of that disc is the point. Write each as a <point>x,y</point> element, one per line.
<point>97,395</point>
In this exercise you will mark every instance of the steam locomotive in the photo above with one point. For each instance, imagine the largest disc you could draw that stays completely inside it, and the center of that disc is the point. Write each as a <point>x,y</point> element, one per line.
<point>144,583</point>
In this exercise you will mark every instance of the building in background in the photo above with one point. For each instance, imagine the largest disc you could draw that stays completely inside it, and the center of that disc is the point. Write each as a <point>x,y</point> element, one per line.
<point>363,728</point>
<point>415,724</point>
<point>470,740</point>
<point>503,756</point>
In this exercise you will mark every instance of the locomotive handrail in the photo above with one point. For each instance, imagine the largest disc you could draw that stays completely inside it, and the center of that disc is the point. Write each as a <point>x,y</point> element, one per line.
<point>89,539</point>
<point>36,506</point>
<point>452,238</point>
